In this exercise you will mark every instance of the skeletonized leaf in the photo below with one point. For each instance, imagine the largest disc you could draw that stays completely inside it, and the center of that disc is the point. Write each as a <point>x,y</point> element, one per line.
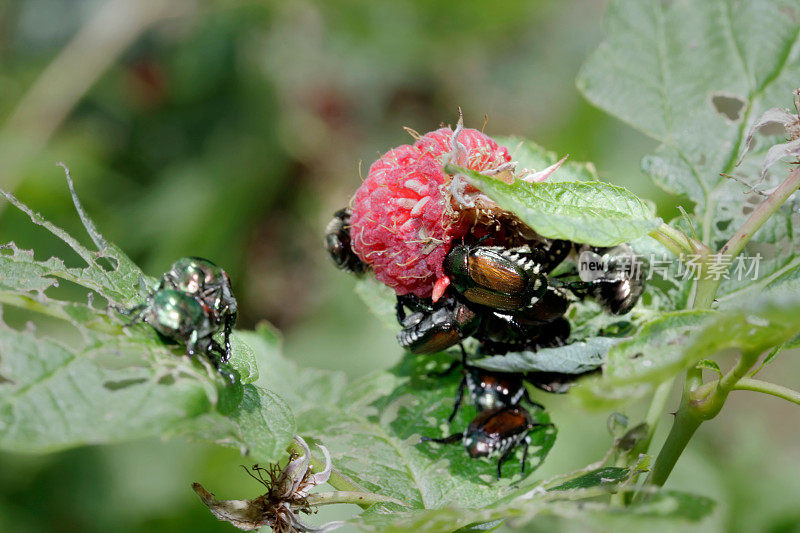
<point>635,365</point>
<point>688,74</point>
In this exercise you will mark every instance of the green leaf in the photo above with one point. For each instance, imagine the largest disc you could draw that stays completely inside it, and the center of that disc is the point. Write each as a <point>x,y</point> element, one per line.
<point>115,388</point>
<point>765,323</point>
<point>243,359</point>
<point>578,500</point>
<point>532,157</point>
<point>782,280</point>
<point>109,271</point>
<point>372,428</point>
<point>303,388</point>
<point>486,526</point>
<point>380,299</point>
<point>575,358</point>
<point>106,383</point>
<point>596,478</point>
<point>403,405</point>
<point>670,503</point>
<point>590,212</point>
<point>54,397</point>
<point>265,424</point>
<point>674,69</point>
<point>695,76</point>
<point>635,365</point>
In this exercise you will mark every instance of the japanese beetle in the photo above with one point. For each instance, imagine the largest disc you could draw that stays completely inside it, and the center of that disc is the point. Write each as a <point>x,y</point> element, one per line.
<point>550,307</point>
<point>338,243</point>
<point>499,278</point>
<point>211,285</point>
<point>434,329</point>
<point>496,432</point>
<point>490,390</point>
<point>552,252</point>
<point>179,317</point>
<point>501,333</point>
<point>613,277</point>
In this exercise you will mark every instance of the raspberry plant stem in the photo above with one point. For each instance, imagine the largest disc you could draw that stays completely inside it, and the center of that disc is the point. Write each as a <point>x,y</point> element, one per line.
<point>667,242</point>
<point>673,239</point>
<point>703,402</point>
<point>757,385</point>
<point>362,499</point>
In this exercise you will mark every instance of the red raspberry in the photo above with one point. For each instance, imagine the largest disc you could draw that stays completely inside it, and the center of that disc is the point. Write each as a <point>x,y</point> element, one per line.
<point>482,152</point>
<point>404,219</point>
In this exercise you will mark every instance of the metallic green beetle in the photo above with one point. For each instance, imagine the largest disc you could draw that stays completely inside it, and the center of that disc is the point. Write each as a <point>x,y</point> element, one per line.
<point>211,286</point>
<point>181,318</point>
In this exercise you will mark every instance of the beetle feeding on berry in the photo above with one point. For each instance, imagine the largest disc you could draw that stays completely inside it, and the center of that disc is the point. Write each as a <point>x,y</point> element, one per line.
<point>462,267</point>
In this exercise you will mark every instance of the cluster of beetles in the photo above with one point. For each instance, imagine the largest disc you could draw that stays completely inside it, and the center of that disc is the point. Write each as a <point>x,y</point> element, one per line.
<point>506,299</point>
<point>192,302</point>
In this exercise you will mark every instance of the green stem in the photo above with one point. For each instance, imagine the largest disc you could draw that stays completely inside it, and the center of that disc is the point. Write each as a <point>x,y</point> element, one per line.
<point>686,423</point>
<point>756,385</point>
<point>683,242</point>
<point>667,243</point>
<point>363,499</point>
<point>660,397</point>
<point>703,402</point>
<point>697,406</point>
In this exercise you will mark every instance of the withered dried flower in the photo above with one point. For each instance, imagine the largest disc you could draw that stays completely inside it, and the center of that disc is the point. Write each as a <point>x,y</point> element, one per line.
<point>286,497</point>
<point>791,124</point>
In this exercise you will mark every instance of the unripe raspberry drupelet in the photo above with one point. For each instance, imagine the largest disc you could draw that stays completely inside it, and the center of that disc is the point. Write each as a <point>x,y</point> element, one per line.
<point>408,211</point>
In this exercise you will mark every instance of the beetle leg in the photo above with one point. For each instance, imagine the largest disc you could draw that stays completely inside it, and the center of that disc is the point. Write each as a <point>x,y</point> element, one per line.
<point>136,312</point>
<point>459,398</point>
<point>447,371</point>
<point>229,321</point>
<point>525,443</point>
<point>502,459</point>
<point>580,289</point>
<point>450,439</point>
<point>527,397</point>
<point>400,311</point>
<point>217,359</point>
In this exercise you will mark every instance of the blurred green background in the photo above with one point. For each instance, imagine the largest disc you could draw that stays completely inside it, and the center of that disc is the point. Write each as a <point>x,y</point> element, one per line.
<point>233,130</point>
